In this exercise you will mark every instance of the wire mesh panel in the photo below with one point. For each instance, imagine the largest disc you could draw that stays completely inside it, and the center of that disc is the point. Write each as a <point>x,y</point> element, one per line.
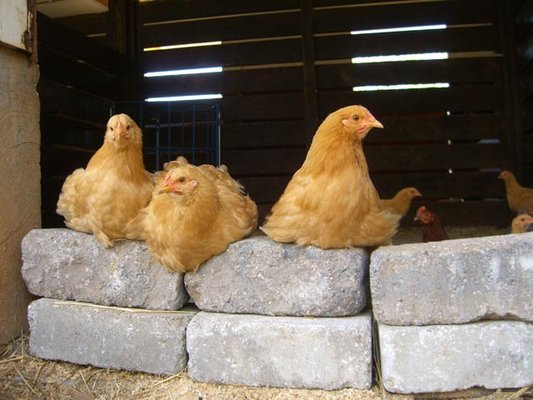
<point>171,130</point>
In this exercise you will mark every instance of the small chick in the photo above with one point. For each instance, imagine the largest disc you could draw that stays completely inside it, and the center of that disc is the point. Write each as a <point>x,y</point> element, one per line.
<point>331,202</point>
<point>432,230</point>
<point>195,213</point>
<point>521,223</point>
<point>519,198</point>
<point>400,203</point>
<point>114,186</point>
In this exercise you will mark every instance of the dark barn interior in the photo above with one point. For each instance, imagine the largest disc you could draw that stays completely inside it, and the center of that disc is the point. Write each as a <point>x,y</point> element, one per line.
<point>283,66</point>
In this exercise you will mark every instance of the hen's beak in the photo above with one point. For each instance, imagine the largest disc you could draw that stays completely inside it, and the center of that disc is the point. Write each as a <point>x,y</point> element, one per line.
<point>165,189</point>
<point>376,124</point>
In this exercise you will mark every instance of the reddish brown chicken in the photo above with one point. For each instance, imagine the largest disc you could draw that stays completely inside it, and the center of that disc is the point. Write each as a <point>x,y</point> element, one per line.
<point>330,202</point>
<point>432,229</point>
<point>114,186</point>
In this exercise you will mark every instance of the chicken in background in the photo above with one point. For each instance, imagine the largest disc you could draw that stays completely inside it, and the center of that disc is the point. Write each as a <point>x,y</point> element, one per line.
<point>519,198</point>
<point>521,223</point>
<point>432,229</point>
<point>400,203</point>
<point>114,186</point>
<point>195,213</point>
<point>330,202</point>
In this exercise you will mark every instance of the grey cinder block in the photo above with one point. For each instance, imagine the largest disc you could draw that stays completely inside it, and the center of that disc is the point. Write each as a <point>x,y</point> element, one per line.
<point>260,276</point>
<point>453,281</point>
<point>288,352</point>
<point>443,358</point>
<point>109,337</point>
<point>69,265</point>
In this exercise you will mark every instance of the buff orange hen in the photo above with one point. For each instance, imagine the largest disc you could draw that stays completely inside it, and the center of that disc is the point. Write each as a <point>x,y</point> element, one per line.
<point>195,213</point>
<point>400,203</point>
<point>114,186</point>
<point>331,202</point>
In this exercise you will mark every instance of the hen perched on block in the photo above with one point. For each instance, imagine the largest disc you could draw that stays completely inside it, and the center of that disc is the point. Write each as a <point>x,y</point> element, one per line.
<point>195,213</point>
<point>330,202</point>
<point>114,186</point>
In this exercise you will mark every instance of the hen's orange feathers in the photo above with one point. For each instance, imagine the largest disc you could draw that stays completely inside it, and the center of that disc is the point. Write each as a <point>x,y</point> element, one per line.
<point>114,186</point>
<point>195,213</point>
<point>330,202</point>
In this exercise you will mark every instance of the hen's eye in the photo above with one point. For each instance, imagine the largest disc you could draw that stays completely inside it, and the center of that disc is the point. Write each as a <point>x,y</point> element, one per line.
<point>128,127</point>
<point>111,128</point>
<point>181,179</point>
<point>356,117</point>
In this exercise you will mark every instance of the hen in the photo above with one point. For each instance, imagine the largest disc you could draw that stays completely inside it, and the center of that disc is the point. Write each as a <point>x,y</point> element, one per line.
<point>195,213</point>
<point>519,198</point>
<point>400,203</point>
<point>521,223</point>
<point>432,230</point>
<point>114,186</point>
<point>330,202</point>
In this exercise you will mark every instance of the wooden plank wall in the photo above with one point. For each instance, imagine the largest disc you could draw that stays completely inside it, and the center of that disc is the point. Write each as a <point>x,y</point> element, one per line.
<point>79,79</point>
<point>524,68</point>
<point>449,143</point>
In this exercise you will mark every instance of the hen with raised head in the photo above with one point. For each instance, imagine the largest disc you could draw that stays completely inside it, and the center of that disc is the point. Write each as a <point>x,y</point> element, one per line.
<point>195,213</point>
<point>400,203</point>
<point>102,198</point>
<point>432,228</point>
<point>330,202</point>
<point>521,223</point>
<point>519,198</point>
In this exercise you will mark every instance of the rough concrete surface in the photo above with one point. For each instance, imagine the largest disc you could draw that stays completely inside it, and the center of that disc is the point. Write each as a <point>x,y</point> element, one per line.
<point>443,358</point>
<point>290,352</point>
<point>260,276</point>
<point>109,337</point>
<point>69,265</point>
<point>453,281</point>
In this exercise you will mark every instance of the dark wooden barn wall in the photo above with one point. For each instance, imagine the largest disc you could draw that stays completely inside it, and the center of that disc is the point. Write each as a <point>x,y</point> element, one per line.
<point>287,64</point>
<point>79,78</point>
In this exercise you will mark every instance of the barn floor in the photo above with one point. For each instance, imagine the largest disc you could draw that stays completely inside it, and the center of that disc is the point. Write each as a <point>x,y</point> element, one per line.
<point>23,377</point>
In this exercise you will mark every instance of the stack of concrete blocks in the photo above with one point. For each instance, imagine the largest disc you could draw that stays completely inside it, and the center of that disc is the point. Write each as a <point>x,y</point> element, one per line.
<point>110,308</point>
<point>455,314</point>
<point>271,314</point>
<point>281,315</point>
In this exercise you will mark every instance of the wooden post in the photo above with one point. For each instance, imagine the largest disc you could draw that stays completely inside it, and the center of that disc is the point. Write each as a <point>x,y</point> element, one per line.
<point>20,175</point>
<point>309,73</point>
<point>513,123</point>
<point>123,36</point>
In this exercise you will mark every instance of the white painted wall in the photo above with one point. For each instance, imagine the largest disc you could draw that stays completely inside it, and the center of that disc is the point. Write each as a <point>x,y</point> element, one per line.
<point>13,22</point>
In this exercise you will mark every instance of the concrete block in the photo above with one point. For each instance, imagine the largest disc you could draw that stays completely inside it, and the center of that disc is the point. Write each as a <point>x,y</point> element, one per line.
<point>69,265</point>
<point>443,358</point>
<point>286,352</point>
<point>109,337</point>
<point>453,281</point>
<point>260,276</point>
